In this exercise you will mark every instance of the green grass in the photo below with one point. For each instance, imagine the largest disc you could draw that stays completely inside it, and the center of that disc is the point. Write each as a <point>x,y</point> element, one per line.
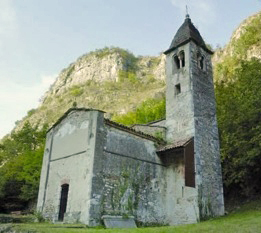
<point>246,219</point>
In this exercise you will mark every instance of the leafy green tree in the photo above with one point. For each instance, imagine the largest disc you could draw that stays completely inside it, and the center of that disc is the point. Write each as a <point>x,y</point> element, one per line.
<point>148,111</point>
<point>21,159</point>
<point>239,119</point>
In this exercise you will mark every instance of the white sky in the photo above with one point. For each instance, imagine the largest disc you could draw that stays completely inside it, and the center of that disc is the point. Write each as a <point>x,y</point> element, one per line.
<point>39,38</point>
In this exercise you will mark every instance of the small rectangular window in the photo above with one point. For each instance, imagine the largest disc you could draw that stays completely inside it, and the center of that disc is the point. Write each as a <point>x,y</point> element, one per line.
<point>177,89</point>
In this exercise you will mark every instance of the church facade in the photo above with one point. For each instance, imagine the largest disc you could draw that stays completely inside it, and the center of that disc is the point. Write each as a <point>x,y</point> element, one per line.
<point>93,167</point>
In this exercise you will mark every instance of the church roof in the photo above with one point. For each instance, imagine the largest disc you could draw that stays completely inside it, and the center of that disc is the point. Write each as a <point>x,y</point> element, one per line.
<point>187,32</point>
<point>174,145</point>
<point>111,123</point>
<point>133,131</point>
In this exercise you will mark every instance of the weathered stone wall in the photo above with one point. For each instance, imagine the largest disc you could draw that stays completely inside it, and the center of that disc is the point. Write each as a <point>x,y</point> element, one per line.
<point>130,178</point>
<point>208,164</point>
<point>111,172</point>
<point>192,113</point>
<point>179,107</point>
<point>68,159</point>
<point>181,201</point>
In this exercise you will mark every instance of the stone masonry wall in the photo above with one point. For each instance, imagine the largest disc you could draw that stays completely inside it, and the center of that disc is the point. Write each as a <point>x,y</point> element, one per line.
<point>192,113</point>
<point>180,126</point>
<point>129,177</point>
<point>179,106</point>
<point>181,201</point>
<point>68,159</point>
<point>208,164</point>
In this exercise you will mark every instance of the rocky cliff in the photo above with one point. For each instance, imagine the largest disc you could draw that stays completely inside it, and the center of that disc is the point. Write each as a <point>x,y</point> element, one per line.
<point>110,79</point>
<point>245,44</point>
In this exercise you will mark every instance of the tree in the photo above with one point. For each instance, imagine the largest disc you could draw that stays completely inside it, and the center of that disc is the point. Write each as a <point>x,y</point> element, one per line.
<point>239,119</point>
<point>21,156</point>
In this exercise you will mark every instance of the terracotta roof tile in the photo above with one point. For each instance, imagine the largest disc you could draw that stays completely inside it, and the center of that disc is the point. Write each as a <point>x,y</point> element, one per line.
<point>133,131</point>
<point>174,145</point>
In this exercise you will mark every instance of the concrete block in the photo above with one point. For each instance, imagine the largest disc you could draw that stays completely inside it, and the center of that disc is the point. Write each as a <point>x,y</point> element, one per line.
<point>118,222</point>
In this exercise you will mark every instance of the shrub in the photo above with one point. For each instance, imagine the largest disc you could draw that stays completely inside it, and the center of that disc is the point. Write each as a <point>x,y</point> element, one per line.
<point>31,112</point>
<point>127,76</point>
<point>148,111</point>
<point>76,91</point>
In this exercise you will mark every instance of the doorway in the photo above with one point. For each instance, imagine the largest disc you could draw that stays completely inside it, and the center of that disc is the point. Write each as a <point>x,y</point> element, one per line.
<point>63,201</point>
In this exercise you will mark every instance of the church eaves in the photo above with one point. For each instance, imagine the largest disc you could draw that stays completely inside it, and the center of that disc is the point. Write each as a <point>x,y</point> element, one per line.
<point>187,32</point>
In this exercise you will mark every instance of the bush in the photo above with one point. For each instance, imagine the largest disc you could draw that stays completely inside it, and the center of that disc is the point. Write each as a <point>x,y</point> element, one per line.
<point>39,216</point>
<point>31,112</point>
<point>127,76</point>
<point>76,91</point>
<point>148,111</point>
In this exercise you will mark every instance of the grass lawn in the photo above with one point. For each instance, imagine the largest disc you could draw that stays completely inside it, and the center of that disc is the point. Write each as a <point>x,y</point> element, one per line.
<point>246,219</point>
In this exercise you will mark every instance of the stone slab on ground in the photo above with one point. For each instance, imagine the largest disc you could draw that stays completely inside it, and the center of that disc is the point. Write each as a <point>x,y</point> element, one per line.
<point>118,222</point>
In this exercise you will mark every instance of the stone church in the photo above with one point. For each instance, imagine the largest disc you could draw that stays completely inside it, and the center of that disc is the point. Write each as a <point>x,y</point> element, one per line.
<point>94,168</point>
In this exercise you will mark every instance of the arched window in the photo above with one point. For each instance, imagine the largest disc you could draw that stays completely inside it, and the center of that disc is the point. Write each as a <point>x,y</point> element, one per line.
<point>182,58</point>
<point>201,61</point>
<point>63,201</point>
<point>179,60</point>
<point>176,61</point>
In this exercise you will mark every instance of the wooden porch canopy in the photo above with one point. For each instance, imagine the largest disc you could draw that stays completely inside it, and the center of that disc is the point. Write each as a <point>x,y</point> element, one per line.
<point>181,149</point>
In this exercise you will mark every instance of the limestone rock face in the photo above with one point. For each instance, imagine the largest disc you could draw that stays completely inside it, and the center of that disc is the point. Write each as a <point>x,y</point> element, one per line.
<point>89,67</point>
<point>153,65</point>
<point>110,79</point>
<point>103,68</point>
<point>241,38</point>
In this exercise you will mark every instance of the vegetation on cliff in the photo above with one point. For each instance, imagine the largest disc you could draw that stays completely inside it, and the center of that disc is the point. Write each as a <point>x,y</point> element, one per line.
<point>149,110</point>
<point>110,79</point>
<point>245,43</point>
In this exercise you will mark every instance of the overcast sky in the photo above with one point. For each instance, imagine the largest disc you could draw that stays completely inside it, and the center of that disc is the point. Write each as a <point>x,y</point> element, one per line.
<point>38,38</point>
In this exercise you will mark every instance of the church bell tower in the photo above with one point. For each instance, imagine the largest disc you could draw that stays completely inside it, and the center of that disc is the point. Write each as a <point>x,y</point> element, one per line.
<point>191,112</point>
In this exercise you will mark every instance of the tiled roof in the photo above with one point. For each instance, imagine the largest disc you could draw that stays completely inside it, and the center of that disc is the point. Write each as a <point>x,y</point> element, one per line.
<point>174,145</point>
<point>133,131</point>
<point>111,123</point>
<point>185,33</point>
